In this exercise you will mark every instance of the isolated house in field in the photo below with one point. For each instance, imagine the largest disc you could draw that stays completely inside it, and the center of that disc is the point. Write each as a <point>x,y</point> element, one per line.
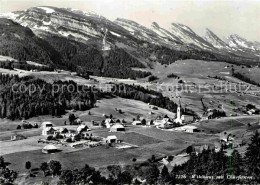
<point>111,139</point>
<point>48,131</point>
<point>49,149</point>
<point>117,128</point>
<point>47,124</point>
<point>137,122</point>
<point>109,122</point>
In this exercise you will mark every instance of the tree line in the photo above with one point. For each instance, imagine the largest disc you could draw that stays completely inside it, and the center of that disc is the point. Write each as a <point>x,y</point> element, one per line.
<point>244,78</point>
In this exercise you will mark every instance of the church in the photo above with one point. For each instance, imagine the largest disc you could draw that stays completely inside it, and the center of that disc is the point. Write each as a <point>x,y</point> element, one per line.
<point>182,118</point>
<point>178,119</point>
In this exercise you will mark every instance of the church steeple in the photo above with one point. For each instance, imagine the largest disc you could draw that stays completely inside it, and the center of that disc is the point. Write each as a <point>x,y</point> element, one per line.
<point>179,104</point>
<point>178,119</point>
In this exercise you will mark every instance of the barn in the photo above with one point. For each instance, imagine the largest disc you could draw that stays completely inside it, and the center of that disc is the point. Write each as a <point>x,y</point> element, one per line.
<point>117,128</point>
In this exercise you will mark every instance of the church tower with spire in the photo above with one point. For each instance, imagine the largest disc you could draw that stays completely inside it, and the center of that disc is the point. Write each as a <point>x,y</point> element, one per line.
<point>178,119</point>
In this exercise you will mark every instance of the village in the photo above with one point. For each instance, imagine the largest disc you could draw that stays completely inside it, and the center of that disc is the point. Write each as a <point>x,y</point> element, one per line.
<point>77,134</point>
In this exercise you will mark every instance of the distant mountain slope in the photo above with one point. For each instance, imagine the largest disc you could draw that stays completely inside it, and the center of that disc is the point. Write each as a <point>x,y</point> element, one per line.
<point>20,43</point>
<point>215,40</point>
<point>168,45</point>
<point>75,24</point>
<point>240,43</point>
<point>60,52</point>
<point>188,36</point>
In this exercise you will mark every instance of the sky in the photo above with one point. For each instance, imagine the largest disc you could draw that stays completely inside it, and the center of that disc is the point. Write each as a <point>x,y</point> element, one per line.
<point>223,17</point>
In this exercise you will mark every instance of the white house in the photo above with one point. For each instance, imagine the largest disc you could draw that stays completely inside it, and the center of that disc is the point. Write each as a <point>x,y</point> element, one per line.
<point>47,124</point>
<point>111,139</point>
<point>137,122</point>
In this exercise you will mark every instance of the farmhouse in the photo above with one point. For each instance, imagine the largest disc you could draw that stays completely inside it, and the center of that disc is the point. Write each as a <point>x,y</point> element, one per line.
<point>47,124</point>
<point>117,128</point>
<point>111,139</point>
<point>137,122</point>
<point>48,131</point>
<point>49,149</point>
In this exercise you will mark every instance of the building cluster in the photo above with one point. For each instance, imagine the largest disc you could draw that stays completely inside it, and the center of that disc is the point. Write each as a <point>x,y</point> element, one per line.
<point>180,119</point>
<point>113,125</point>
<point>78,137</point>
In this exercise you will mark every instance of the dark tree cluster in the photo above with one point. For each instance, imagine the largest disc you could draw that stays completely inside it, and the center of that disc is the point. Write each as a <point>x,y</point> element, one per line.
<point>211,163</point>
<point>166,55</point>
<point>217,114</point>
<point>244,78</point>
<point>7,176</point>
<point>22,98</point>
<point>20,43</point>
<point>87,59</point>
<point>119,64</point>
<point>152,78</point>
<point>172,75</point>
<point>23,65</point>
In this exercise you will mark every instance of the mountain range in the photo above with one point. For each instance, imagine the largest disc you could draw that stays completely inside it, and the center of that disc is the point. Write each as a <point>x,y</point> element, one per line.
<point>65,36</point>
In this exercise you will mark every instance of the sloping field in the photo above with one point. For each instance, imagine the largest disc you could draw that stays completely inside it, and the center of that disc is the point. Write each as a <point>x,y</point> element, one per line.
<point>131,137</point>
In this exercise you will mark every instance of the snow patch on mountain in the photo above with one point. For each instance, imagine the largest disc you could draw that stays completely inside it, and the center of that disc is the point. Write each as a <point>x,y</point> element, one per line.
<point>46,9</point>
